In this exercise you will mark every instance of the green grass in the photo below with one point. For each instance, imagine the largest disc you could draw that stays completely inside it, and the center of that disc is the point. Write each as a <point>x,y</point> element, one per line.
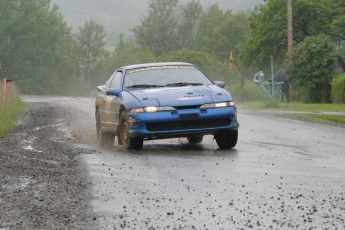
<point>323,118</point>
<point>10,110</point>
<point>293,106</point>
<point>305,110</point>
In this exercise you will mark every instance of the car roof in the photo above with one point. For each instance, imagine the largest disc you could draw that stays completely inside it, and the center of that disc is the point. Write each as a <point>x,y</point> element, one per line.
<point>156,64</point>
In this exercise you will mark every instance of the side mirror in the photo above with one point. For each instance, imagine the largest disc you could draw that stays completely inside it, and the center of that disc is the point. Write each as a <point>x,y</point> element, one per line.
<point>101,88</point>
<point>220,84</point>
<point>113,92</point>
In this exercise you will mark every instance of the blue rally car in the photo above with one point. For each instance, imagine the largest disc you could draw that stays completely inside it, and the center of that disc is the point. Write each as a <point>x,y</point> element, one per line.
<point>164,100</point>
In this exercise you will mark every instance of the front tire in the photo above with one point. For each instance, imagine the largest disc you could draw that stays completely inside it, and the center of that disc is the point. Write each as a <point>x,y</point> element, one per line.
<point>195,139</point>
<point>104,139</point>
<point>226,139</point>
<point>124,138</point>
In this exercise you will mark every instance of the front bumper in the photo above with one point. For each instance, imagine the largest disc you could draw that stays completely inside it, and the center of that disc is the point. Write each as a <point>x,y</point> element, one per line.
<point>181,123</point>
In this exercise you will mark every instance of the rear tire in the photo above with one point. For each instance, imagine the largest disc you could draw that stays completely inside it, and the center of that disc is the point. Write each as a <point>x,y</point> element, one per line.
<point>226,139</point>
<point>124,138</point>
<point>195,139</point>
<point>104,139</point>
<point>107,139</point>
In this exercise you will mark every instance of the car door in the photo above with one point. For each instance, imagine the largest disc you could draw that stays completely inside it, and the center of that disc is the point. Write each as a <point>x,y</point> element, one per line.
<point>113,103</point>
<point>101,100</point>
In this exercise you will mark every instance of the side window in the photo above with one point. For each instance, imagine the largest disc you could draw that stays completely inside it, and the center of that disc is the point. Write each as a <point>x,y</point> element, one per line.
<point>109,80</point>
<point>116,83</point>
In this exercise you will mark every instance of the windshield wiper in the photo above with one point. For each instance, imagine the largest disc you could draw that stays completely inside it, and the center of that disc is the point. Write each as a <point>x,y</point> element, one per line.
<point>145,86</point>
<point>183,84</point>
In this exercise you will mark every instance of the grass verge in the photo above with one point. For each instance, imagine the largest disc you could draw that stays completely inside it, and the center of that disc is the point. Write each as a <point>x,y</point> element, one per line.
<point>301,107</point>
<point>293,106</point>
<point>9,109</point>
<point>323,118</point>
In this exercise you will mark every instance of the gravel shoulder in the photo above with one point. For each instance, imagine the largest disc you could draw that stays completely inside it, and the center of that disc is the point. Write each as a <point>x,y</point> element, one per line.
<point>42,186</point>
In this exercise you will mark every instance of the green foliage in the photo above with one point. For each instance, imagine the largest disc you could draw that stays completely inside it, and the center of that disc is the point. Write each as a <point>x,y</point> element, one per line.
<point>219,32</point>
<point>338,24</point>
<point>249,92</point>
<point>91,53</point>
<point>310,18</point>
<point>10,109</point>
<point>126,53</point>
<point>91,40</point>
<point>118,16</point>
<point>157,31</point>
<point>214,68</point>
<point>36,47</point>
<point>188,27</point>
<point>338,89</point>
<point>213,17</point>
<point>311,69</point>
<point>214,31</point>
<point>267,36</point>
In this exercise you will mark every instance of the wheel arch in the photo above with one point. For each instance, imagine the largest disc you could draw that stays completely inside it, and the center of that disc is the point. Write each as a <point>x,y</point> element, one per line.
<point>122,108</point>
<point>96,110</point>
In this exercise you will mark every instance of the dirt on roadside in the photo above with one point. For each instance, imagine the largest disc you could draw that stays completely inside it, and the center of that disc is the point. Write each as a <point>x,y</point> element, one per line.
<point>42,185</point>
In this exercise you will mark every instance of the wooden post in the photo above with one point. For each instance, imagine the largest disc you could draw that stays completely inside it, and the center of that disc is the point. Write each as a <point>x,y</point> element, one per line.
<point>4,93</point>
<point>290,41</point>
<point>289,28</point>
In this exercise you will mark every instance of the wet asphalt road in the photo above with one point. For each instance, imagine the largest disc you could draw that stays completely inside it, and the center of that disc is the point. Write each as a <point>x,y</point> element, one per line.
<point>283,174</point>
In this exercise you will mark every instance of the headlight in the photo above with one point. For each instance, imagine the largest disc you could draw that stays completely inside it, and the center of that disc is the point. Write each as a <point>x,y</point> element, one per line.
<point>138,110</point>
<point>152,109</point>
<point>218,105</point>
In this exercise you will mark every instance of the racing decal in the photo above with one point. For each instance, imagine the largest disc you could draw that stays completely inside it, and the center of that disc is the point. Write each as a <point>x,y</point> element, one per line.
<point>108,101</point>
<point>188,98</point>
<point>98,101</point>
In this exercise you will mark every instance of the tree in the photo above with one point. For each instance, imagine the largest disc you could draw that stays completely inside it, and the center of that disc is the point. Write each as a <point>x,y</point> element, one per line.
<point>188,28</point>
<point>157,31</point>
<point>268,34</point>
<point>219,32</point>
<point>91,42</point>
<point>312,67</point>
<point>36,47</point>
<point>126,53</point>
<point>338,30</point>
<point>230,33</point>
<point>206,41</point>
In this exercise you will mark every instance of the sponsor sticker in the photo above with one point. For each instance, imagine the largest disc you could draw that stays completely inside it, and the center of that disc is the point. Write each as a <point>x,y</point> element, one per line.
<point>188,98</point>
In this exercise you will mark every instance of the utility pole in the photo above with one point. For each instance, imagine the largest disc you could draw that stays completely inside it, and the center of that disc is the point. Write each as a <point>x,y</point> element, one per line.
<point>290,43</point>
<point>289,28</point>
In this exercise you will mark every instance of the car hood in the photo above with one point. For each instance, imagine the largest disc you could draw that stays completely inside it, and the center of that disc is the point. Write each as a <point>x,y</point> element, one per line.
<point>180,96</point>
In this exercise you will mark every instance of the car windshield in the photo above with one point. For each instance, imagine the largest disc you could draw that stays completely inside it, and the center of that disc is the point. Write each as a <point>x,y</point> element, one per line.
<point>164,76</point>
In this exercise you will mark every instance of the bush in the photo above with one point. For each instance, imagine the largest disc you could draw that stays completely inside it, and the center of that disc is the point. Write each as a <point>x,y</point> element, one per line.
<point>11,108</point>
<point>311,69</point>
<point>338,89</point>
<point>250,92</point>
